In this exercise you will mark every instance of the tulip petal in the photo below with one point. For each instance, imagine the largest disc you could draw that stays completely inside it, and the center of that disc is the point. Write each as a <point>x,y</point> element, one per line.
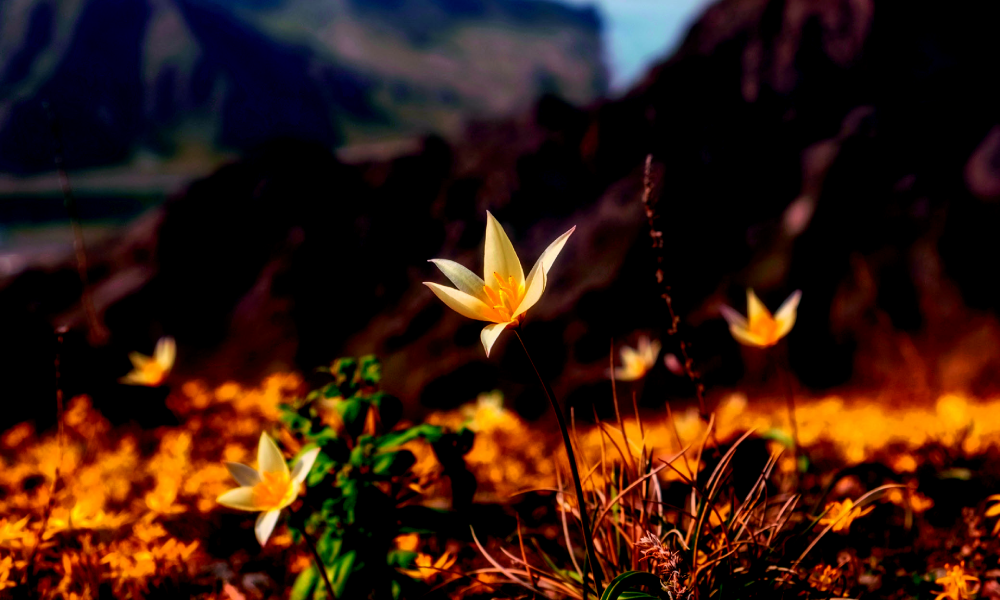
<point>243,474</point>
<point>165,352</point>
<point>734,318</point>
<point>499,256</point>
<point>304,464</point>
<point>490,334</point>
<point>747,338</point>
<point>462,303</point>
<point>139,361</point>
<point>755,308</point>
<point>550,254</point>
<point>265,525</point>
<point>269,458</point>
<point>785,315</point>
<point>653,349</point>
<point>464,279</point>
<point>534,286</point>
<point>240,498</point>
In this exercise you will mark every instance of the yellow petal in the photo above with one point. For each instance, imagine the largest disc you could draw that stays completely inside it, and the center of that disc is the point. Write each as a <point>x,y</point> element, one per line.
<point>499,256</point>
<point>746,337</point>
<point>534,286</point>
<point>243,474</point>
<point>241,499</point>
<point>269,458</point>
<point>653,351</point>
<point>462,303</point>
<point>755,308</point>
<point>734,318</point>
<point>627,374</point>
<point>490,334</point>
<point>139,361</point>
<point>785,316</point>
<point>165,352</point>
<point>265,525</point>
<point>464,279</point>
<point>993,511</point>
<point>303,465</point>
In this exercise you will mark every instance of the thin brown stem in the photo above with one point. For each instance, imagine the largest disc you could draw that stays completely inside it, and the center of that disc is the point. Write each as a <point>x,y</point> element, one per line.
<point>657,243</point>
<point>588,536</point>
<point>311,543</point>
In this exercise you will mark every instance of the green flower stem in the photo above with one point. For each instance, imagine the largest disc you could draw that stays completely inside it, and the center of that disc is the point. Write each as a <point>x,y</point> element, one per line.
<point>319,563</point>
<point>588,536</point>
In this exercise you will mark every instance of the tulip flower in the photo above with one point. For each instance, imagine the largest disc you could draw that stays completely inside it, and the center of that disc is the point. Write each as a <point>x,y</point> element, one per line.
<point>759,328</point>
<point>504,294</point>
<point>636,362</point>
<point>269,488</point>
<point>842,514</point>
<point>152,370</point>
<point>955,583</point>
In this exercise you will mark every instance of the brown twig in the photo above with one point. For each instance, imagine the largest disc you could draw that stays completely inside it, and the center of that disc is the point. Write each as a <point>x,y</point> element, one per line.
<point>96,332</point>
<point>657,243</point>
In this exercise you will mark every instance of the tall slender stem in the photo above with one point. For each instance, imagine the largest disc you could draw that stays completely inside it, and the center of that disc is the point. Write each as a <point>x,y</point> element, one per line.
<point>786,375</point>
<point>319,563</point>
<point>588,536</point>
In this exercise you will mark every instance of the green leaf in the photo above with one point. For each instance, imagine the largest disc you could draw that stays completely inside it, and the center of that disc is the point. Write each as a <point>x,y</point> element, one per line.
<point>431,433</point>
<point>401,559</point>
<point>342,568</point>
<point>305,584</point>
<point>627,582</point>
<point>782,437</point>
<point>370,371</point>
<point>393,463</point>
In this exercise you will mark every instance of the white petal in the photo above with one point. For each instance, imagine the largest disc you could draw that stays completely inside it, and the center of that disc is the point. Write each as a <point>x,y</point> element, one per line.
<point>265,525</point>
<point>269,458</point>
<point>303,465</point>
<point>499,256</point>
<point>534,286</point>
<point>490,334</point>
<point>240,498</point>
<point>464,279</point>
<point>549,255</point>
<point>165,352</point>
<point>785,316</point>
<point>734,318</point>
<point>243,474</point>
<point>462,303</point>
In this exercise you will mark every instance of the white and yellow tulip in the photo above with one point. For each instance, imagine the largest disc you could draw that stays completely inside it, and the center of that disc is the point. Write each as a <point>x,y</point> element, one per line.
<point>759,328</point>
<point>504,294</point>
<point>636,362</point>
<point>269,488</point>
<point>152,370</point>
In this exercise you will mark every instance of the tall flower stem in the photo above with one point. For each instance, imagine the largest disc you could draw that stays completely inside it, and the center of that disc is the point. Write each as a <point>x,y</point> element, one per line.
<point>588,536</point>
<point>785,367</point>
<point>319,562</point>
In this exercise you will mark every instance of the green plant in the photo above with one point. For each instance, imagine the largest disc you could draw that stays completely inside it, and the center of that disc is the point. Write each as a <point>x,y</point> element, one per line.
<point>363,492</point>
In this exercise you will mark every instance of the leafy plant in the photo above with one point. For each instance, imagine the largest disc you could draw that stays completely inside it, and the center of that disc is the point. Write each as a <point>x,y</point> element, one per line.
<point>363,492</point>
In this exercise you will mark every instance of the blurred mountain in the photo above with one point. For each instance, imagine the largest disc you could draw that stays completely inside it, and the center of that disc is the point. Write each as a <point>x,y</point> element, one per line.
<point>182,77</point>
<point>850,149</point>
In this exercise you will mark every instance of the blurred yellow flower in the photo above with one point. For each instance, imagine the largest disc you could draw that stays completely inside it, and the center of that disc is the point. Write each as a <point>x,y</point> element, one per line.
<point>823,577</point>
<point>269,488</point>
<point>842,514</point>
<point>152,370</point>
<point>636,362</point>
<point>5,567</point>
<point>759,328</point>
<point>508,294</point>
<point>955,583</point>
<point>429,569</point>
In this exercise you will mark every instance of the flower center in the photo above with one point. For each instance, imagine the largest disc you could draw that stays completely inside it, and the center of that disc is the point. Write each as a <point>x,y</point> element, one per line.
<point>154,372</point>
<point>275,490</point>
<point>766,328</point>
<point>505,298</point>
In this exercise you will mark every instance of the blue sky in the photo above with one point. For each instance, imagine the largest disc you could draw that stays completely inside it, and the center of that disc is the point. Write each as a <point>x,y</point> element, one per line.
<point>640,32</point>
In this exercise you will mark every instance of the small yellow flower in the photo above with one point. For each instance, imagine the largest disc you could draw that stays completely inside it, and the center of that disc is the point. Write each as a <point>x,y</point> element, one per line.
<point>842,514</point>
<point>823,577</point>
<point>428,569</point>
<point>955,583</point>
<point>268,489</point>
<point>636,362</point>
<point>506,294</point>
<point>759,328</point>
<point>152,370</point>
